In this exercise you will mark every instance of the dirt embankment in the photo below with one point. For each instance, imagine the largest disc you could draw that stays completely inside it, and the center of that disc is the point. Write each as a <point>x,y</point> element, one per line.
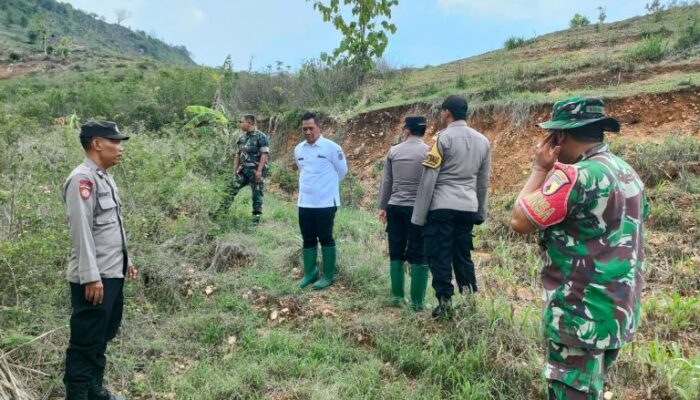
<point>512,131</point>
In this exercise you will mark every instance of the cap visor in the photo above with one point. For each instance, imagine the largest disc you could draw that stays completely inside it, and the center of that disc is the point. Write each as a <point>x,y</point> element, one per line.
<point>121,136</point>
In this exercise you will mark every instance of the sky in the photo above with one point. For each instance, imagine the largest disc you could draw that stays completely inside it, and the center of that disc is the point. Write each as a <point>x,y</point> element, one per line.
<point>259,33</point>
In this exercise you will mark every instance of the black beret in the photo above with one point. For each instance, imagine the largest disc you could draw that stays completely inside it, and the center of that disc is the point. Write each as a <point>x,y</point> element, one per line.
<point>456,105</point>
<point>105,129</point>
<point>414,121</point>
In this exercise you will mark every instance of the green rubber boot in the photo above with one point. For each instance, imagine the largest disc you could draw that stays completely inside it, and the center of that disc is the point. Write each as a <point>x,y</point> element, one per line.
<point>397,282</point>
<point>419,283</point>
<point>328,268</point>
<point>310,267</point>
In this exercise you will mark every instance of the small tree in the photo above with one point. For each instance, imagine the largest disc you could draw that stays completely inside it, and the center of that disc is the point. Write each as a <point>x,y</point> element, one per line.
<point>39,28</point>
<point>654,7</point>
<point>601,15</point>
<point>122,15</point>
<point>365,33</point>
<point>64,47</point>
<point>578,21</point>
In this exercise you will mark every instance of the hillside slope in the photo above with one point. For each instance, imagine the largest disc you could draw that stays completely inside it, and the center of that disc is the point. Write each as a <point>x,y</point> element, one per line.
<point>642,49</point>
<point>25,24</point>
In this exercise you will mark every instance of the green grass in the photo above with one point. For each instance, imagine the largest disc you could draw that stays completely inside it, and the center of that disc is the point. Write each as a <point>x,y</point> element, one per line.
<point>192,331</point>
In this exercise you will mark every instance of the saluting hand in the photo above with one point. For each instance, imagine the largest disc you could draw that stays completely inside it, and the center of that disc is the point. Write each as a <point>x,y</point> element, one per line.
<point>382,216</point>
<point>132,273</point>
<point>94,292</point>
<point>545,155</point>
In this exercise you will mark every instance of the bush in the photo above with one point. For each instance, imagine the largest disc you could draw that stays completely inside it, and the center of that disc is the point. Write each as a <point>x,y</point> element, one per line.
<point>15,56</point>
<point>578,21</point>
<point>690,36</point>
<point>461,82</point>
<point>650,49</point>
<point>513,43</point>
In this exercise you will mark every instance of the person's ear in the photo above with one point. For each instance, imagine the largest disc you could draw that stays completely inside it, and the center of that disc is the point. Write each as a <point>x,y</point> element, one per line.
<point>97,144</point>
<point>561,137</point>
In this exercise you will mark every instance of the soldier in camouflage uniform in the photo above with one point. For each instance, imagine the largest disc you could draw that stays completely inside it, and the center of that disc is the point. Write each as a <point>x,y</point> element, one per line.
<point>251,166</point>
<point>588,206</point>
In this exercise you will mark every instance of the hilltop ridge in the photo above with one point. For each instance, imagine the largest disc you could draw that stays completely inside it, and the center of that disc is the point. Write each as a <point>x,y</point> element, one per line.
<point>35,28</point>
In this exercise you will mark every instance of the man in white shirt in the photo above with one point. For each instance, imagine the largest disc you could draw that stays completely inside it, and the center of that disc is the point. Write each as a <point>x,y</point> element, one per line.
<point>322,165</point>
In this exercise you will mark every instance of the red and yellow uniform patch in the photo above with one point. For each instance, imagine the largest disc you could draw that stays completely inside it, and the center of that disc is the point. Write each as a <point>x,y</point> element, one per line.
<point>85,188</point>
<point>550,205</point>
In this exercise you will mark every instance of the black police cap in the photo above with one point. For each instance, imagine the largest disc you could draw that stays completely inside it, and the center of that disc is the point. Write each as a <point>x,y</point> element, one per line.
<point>414,121</point>
<point>105,129</point>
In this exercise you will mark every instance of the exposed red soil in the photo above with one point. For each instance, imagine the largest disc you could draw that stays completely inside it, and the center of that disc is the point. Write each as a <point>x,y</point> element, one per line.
<point>644,117</point>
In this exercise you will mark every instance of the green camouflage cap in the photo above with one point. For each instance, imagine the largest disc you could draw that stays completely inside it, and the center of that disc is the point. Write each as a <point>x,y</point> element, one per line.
<point>579,111</point>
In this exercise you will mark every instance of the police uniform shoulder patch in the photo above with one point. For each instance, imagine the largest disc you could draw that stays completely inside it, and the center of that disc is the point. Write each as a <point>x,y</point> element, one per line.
<point>433,159</point>
<point>550,205</point>
<point>85,188</point>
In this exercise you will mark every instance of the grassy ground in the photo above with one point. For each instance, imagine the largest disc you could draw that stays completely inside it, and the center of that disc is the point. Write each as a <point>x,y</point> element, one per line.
<point>217,315</point>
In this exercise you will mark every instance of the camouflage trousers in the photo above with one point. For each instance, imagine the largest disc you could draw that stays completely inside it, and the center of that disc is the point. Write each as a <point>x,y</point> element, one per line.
<point>246,177</point>
<point>575,373</point>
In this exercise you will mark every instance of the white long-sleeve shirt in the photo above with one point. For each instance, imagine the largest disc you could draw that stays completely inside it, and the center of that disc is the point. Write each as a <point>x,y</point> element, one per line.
<point>322,165</point>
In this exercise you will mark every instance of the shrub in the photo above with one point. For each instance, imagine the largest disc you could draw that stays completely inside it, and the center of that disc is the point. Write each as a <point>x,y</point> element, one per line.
<point>15,56</point>
<point>650,49</point>
<point>578,21</point>
<point>689,37</point>
<point>513,43</point>
<point>461,82</point>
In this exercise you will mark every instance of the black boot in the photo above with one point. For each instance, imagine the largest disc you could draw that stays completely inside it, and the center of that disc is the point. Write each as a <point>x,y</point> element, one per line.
<point>77,390</point>
<point>443,309</point>
<point>98,391</point>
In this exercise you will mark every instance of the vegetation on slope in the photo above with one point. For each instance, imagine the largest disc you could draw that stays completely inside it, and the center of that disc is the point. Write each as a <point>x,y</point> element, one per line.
<point>29,27</point>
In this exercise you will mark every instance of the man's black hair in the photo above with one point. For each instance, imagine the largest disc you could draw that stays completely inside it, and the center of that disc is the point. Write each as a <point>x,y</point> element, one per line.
<point>250,118</point>
<point>417,130</point>
<point>311,115</point>
<point>86,142</point>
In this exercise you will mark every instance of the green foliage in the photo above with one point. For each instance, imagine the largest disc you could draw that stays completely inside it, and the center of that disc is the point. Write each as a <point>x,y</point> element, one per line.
<point>671,160</point>
<point>351,192</point>
<point>364,36</point>
<point>578,21</point>
<point>514,42</point>
<point>652,49</point>
<point>689,37</point>
<point>39,19</point>
<point>284,178</point>
<point>654,7</point>
<point>204,116</point>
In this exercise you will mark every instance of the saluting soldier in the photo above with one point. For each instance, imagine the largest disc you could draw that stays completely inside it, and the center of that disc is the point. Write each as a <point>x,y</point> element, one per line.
<point>397,194</point>
<point>322,165</point>
<point>251,166</point>
<point>452,198</point>
<point>588,206</point>
<point>99,260</point>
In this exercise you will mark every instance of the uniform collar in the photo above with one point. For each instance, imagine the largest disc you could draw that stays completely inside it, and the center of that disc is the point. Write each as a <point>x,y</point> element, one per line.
<point>414,138</point>
<point>316,143</point>
<point>460,122</point>
<point>91,164</point>
<point>600,148</point>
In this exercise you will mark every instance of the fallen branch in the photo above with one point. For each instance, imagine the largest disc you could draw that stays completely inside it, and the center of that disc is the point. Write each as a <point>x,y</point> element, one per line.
<point>43,335</point>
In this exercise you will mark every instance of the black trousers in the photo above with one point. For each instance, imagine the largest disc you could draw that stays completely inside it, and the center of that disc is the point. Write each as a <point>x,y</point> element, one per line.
<point>316,225</point>
<point>405,238</point>
<point>448,245</point>
<point>91,328</point>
